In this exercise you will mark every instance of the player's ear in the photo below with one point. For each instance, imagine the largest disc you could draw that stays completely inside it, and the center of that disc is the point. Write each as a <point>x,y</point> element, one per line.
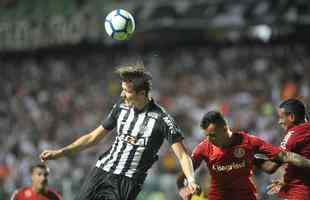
<point>226,128</point>
<point>291,117</point>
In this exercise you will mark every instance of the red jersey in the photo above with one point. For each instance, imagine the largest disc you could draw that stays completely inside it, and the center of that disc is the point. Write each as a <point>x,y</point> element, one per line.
<point>297,180</point>
<point>231,168</point>
<point>27,193</point>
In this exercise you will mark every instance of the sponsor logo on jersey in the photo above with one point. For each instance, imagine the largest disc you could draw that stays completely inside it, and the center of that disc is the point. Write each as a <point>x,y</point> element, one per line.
<point>141,141</point>
<point>153,115</point>
<point>230,167</point>
<point>239,152</point>
<point>170,125</point>
<point>285,139</point>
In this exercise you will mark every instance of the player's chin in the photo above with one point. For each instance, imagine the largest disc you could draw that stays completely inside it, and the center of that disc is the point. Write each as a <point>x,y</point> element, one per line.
<point>43,184</point>
<point>284,127</point>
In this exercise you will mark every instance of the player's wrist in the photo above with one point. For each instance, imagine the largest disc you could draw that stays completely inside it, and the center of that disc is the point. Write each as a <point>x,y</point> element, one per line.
<point>189,180</point>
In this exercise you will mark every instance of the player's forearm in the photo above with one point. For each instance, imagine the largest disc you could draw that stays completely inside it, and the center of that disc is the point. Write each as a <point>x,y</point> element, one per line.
<point>294,159</point>
<point>187,167</point>
<point>268,166</point>
<point>78,145</point>
<point>85,141</point>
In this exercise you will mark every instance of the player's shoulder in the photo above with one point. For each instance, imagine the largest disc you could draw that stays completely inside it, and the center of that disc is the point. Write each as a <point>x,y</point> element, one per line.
<point>303,128</point>
<point>202,145</point>
<point>27,188</point>
<point>299,134</point>
<point>158,111</point>
<point>243,133</point>
<point>244,137</point>
<point>21,192</point>
<point>54,193</point>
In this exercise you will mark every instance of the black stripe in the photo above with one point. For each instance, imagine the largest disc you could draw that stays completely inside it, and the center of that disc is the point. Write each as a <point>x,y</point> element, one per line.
<point>111,156</point>
<point>133,151</point>
<point>117,139</point>
<point>131,126</point>
<point>149,155</point>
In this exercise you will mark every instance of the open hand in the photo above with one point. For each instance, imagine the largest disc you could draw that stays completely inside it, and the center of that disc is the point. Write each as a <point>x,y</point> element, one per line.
<point>274,187</point>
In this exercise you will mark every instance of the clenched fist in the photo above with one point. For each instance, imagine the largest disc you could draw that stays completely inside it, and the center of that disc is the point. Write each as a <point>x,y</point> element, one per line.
<point>50,155</point>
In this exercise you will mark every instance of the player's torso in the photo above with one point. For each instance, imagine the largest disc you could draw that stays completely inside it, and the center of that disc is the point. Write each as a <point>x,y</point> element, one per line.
<point>232,162</point>
<point>138,134</point>
<point>230,170</point>
<point>297,140</point>
<point>28,194</point>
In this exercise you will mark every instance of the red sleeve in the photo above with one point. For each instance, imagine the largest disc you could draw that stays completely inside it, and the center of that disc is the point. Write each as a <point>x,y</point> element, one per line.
<point>265,148</point>
<point>198,154</point>
<point>297,138</point>
<point>54,195</point>
<point>19,194</point>
<point>58,196</point>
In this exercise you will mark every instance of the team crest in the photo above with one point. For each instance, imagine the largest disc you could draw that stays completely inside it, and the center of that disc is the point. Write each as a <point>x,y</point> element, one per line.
<point>27,194</point>
<point>239,152</point>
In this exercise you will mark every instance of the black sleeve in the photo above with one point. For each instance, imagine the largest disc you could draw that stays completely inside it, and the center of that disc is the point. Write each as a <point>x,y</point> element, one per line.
<point>172,132</point>
<point>110,122</point>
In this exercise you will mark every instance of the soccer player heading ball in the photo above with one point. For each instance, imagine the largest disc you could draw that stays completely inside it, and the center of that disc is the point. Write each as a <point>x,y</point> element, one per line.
<point>142,126</point>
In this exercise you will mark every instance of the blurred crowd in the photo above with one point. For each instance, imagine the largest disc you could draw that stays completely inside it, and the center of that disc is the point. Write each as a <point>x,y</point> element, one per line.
<point>47,100</point>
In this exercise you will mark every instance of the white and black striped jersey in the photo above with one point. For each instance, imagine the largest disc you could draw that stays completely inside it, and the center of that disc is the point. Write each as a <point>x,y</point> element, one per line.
<point>139,137</point>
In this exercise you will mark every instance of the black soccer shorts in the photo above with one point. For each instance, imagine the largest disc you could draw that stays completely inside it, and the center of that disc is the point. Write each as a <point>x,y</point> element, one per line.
<point>101,185</point>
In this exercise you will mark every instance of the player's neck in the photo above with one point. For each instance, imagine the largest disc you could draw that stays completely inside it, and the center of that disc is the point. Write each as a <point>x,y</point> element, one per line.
<point>141,103</point>
<point>228,140</point>
<point>38,190</point>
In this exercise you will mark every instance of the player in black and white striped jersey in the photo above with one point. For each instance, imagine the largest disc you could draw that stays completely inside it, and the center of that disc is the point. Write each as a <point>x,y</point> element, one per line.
<point>141,126</point>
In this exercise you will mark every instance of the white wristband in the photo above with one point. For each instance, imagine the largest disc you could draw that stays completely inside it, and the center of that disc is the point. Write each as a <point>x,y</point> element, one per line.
<point>190,180</point>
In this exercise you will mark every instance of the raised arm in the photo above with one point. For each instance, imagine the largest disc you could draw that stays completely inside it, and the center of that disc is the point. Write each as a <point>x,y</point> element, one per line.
<point>80,144</point>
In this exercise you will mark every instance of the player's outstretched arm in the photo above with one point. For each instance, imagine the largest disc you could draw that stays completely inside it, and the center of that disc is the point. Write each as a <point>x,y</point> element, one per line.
<point>293,158</point>
<point>187,166</point>
<point>80,144</point>
<point>271,166</point>
<point>266,165</point>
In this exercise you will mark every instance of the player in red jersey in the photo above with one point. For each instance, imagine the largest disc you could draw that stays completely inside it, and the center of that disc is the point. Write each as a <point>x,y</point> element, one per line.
<point>229,157</point>
<point>38,189</point>
<point>296,181</point>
